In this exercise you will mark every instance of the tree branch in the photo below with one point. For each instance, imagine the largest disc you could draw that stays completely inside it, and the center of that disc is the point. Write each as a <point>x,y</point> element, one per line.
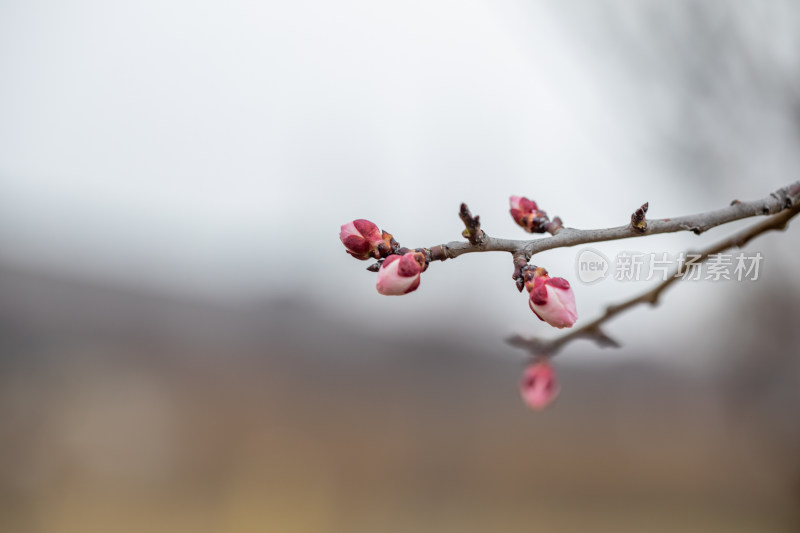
<point>593,331</point>
<point>784,198</point>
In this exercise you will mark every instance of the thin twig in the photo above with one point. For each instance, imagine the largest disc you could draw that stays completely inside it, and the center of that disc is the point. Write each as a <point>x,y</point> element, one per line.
<point>472,227</point>
<point>593,331</point>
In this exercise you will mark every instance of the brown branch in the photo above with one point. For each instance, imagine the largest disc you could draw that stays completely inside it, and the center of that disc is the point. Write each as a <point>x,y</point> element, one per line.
<point>593,331</point>
<point>784,198</point>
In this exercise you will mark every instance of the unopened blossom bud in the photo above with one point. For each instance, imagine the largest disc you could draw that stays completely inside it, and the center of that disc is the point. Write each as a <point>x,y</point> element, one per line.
<point>528,215</point>
<point>551,299</point>
<point>529,275</point>
<point>363,239</point>
<point>539,386</point>
<point>520,206</point>
<point>399,274</point>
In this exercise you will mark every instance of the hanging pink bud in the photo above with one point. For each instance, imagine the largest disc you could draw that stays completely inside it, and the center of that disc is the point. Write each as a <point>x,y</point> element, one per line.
<point>399,274</point>
<point>539,386</point>
<point>552,299</point>
<point>527,214</point>
<point>363,239</point>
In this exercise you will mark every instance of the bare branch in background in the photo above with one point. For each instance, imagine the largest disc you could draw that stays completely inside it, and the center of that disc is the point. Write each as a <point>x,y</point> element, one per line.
<point>593,330</point>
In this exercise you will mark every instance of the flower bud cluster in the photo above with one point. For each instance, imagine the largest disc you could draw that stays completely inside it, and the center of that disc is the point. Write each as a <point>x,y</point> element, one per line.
<point>399,269</point>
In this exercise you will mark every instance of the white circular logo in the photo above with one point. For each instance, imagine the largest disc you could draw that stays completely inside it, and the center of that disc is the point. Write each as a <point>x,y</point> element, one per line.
<point>591,266</point>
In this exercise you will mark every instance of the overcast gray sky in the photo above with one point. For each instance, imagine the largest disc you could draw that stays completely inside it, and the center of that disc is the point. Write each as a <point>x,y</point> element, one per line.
<point>213,149</point>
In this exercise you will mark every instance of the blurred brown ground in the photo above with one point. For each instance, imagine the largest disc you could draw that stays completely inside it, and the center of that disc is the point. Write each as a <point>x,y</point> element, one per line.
<point>128,412</point>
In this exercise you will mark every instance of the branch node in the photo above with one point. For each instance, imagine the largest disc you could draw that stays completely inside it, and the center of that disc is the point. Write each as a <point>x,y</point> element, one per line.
<point>439,253</point>
<point>696,229</point>
<point>520,263</point>
<point>554,226</point>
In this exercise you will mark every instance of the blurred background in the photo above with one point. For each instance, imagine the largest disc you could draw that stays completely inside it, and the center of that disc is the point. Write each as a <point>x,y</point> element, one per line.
<point>185,346</point>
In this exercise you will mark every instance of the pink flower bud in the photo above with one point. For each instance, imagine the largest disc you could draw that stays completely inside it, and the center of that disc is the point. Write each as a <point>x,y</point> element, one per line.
<point>552,300</point>
<point>527,214</point>
<point>521,206</point>
<point>399,274</point>
<point>539,386</point>
<point>362,239</point>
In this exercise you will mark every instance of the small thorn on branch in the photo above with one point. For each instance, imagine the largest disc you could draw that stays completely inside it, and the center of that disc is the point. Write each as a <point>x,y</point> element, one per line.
<point>472,232</point>
<point>518,341</point>
<point>603,340</point>
<point>533,345</point>
<point>638,220</point>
